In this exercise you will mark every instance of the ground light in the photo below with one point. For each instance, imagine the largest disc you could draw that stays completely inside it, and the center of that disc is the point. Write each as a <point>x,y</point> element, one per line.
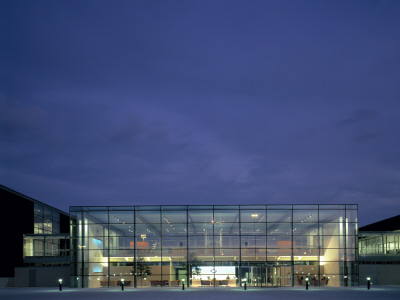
<point>245,283</point>
<point>60,284</point>
<point>306,283</point>
<point>183,284</point>
<point>122,284</point>
<point>368,282</point>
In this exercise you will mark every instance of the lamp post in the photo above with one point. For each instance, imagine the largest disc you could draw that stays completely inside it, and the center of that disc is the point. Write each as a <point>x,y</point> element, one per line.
<point>368,282</point>
<point>183,284</point>
<point>306,283</point>
<point>122,284</point>
<point>245,283</point>
<point>60,284</point>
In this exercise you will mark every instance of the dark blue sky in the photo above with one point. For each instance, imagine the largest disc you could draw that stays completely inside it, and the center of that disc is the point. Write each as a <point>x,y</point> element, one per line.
<point>202,102</point>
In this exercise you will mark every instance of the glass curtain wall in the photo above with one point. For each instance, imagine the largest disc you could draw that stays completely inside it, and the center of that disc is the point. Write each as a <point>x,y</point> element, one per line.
<point>214,246</point>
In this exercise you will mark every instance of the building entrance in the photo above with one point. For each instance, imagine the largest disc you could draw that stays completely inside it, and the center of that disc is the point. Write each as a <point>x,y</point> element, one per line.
<point>279,276</point>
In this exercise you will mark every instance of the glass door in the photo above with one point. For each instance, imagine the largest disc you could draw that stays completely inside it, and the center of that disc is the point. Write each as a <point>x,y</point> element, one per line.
<point>273,276</point>
<point>279,276</point>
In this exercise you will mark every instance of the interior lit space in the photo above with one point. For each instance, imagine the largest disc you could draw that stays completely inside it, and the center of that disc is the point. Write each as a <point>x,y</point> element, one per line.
<point>214,246</point>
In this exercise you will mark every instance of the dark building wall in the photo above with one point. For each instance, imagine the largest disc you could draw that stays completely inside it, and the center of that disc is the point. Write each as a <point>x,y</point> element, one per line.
<point>64,223</point>
<point>16,219</point>
<point>390,224</point>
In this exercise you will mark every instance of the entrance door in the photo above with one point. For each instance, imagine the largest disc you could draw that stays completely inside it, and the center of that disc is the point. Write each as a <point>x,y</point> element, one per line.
<point>258,276</point>
<point>279,276</point>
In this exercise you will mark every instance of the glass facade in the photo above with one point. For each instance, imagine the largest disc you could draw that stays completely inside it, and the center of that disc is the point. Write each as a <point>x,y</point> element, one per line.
<point>46,220</point>
<point>213,246</point>
<point>379,243</point>
<point>46,246</point>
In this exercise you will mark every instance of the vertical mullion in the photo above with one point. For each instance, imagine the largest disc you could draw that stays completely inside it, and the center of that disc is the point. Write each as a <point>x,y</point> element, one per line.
<point>187,248</point>
<point>213,240</point>
<point>134,249</point>
<point>108,246</point>
<point>319,246</point>
<point>82,248</point>
<point>240,248</point>
<point>161,253</point>
<point>292,246</point>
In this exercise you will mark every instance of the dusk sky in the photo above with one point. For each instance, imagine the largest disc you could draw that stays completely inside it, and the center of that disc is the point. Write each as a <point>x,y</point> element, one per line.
<point>202,102</point>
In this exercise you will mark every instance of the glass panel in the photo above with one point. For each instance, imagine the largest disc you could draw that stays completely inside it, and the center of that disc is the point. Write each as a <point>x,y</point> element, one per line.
<point>332,254</point>
<point>279,216</point>
<point>121,217</point>
<point>174,242</point>
<point>123,242</point>
<point>305,252</point>
<point>279,241</point>
<point>301,216</point>
<point>56,216</point>
<point>279,228</point>
<point>286,252</point>
<point>201,241</point>
<point>143,230</point>
<point>226,241</point>
<point>305,241</point>
<point>175,253</point>
<point>95,229</point>
<point>123,229</point>
<point>305,206</point>
<point>223,216</point>
<point>253,207</point>
<point>174,217</point>
<point>225,207</point>
<point>254,241</point>
<point>201,216</point>
<point>174,207</point>
<point>278,206</point>
<point>253,216</point>
<point>200,228</point>
<point>38,210</point>
<point>150,207</point>
<point>226,253</point>
<point>174,229</point>
<point>253,228</point>
<point>148,253</point>
<point>351,215</point>
<point>332,206</point>
<point>48,213</point>
<point>331,215</point>
<point>332,241</point>
<point>203,253</point>
<point>96,216</point>
<point>305,229</point>
<point>146,217</point>
<point>226,228</point>
<point>331,229</point>
<point>201,207</point>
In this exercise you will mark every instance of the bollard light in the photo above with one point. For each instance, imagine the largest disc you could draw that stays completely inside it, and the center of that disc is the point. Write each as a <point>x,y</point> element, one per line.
<point>306,283</point>
<point>122,283</point>
<point>183,284</point>
<point>368,282</point>
<point>345,280</point>
<point>60,284</point>
<point>245,283</point>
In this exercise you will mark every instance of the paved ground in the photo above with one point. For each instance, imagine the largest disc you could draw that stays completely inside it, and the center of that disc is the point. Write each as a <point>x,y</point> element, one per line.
<point>376,293</point>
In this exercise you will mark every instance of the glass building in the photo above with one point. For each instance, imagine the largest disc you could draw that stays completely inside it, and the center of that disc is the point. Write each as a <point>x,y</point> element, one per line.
<point>214,246</point>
